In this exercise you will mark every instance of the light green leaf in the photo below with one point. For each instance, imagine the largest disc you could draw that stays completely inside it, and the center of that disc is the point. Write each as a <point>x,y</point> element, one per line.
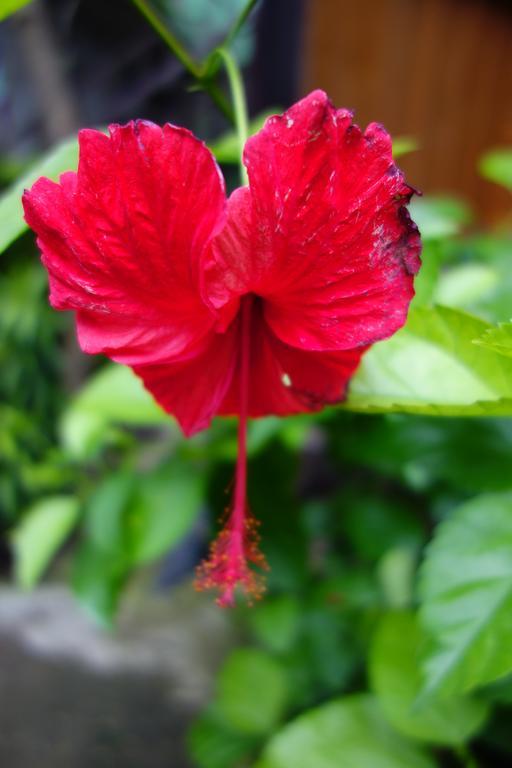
<point>404,145</point>
<point>63,157</point>
<point>433,367</point>
<point>252,691</point>
<point>499,339</point>
<point>496,165</point>
<point>466,593</point>
<point>396,679</point>
<point>345,733</point>
<point>8,7</point>
<point>227,148</point>
<point>114,395</point>
<point>42,531</point>
<point>465,284</point>
<point>439,217</point>
<point>396,571</point>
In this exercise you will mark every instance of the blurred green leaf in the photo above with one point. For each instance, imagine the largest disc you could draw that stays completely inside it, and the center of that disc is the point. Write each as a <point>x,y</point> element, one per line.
<point>404,145</point>
<point>466,593</point>
<point>472,455</point>
<point>498,339</point>
<point>275,622</point>
<point>345,732</point>
<point>114,395</point>
<point>63,157</point>
<point>396,571</point>
<point>213,745</point>
<point>97,579</point>
<point>439,217</point>
<point>41,533</point>
<point>8,7</point>
<point>396,679</point>
<point>167,504</point>
<point>432,367</point>
<point>463,285</point>
<point>496,166</point>
<point>252,691</point>
<point>227,148</point>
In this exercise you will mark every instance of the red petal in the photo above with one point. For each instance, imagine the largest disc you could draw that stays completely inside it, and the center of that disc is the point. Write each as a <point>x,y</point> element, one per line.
<point>324,237</point>
<point>123,237</point>
<point>286,380</point>
<point>192,390</point>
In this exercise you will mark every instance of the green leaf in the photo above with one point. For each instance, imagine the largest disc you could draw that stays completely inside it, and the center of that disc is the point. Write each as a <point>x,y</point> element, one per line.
<point>496,166</point>
<point>499,339</point>
<point>466,593</point>
<point>114,395</point>
<point>9,7</point>
<point>63,157</point>
<point>275,622</point>
<point>348,733</point>
<point>252,691</point>
<point>213,745</point>
<point>404,145</point>
<point>432,367</point>
<point>227,148</point>
<point>42,531</point>
<point>396,679</point>
<point>97,579</point>
<point>439,217</point>
<point>396,571</point>
<point>465,284</point>
<point>168,503</point>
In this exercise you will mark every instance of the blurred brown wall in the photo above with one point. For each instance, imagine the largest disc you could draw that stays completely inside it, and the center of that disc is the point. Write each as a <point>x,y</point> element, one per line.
<point>438,70</point>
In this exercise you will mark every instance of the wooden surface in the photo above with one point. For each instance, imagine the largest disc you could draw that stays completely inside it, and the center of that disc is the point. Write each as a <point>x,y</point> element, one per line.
<point>438,70</point>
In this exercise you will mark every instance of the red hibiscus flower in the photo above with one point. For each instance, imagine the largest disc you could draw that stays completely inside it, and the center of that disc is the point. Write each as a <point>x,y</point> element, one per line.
<point>262,303</point>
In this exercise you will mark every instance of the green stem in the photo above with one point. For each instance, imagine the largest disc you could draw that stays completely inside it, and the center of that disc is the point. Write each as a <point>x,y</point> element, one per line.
<point>192,67</point>
<point>239,105</point>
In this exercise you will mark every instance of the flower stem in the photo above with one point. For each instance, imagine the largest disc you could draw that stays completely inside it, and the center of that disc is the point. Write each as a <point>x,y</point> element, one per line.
<point>192,67</point>
<point>239,105</point>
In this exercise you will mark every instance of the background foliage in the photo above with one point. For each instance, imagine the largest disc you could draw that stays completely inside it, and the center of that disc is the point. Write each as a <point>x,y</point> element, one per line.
<point>385,637</point>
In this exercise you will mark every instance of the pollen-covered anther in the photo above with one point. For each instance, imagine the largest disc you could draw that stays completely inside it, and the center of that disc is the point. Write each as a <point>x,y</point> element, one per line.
<point>230,564</point>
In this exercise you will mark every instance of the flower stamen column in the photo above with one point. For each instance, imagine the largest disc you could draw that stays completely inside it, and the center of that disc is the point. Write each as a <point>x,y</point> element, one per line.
<point>236,547</point>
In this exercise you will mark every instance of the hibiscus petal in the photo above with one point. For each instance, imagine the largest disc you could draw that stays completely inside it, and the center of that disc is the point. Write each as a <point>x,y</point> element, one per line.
<point>286,380</point>
<point>193,389</point>
<point>122,239</point>
<point>323,235</point>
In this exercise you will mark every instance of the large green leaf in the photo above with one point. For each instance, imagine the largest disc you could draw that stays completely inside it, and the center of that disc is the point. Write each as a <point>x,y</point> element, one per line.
<point>433,367</point>
<point>466,593</point>
<point>114,395</point>
<point>496,165</point>
<point>63,157</point>
<point>40,534</point>
<point>251,691</point>
<point>346,733</point>
<point>498,339</point>
<point>8,7</point>
<point>396,678</point>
